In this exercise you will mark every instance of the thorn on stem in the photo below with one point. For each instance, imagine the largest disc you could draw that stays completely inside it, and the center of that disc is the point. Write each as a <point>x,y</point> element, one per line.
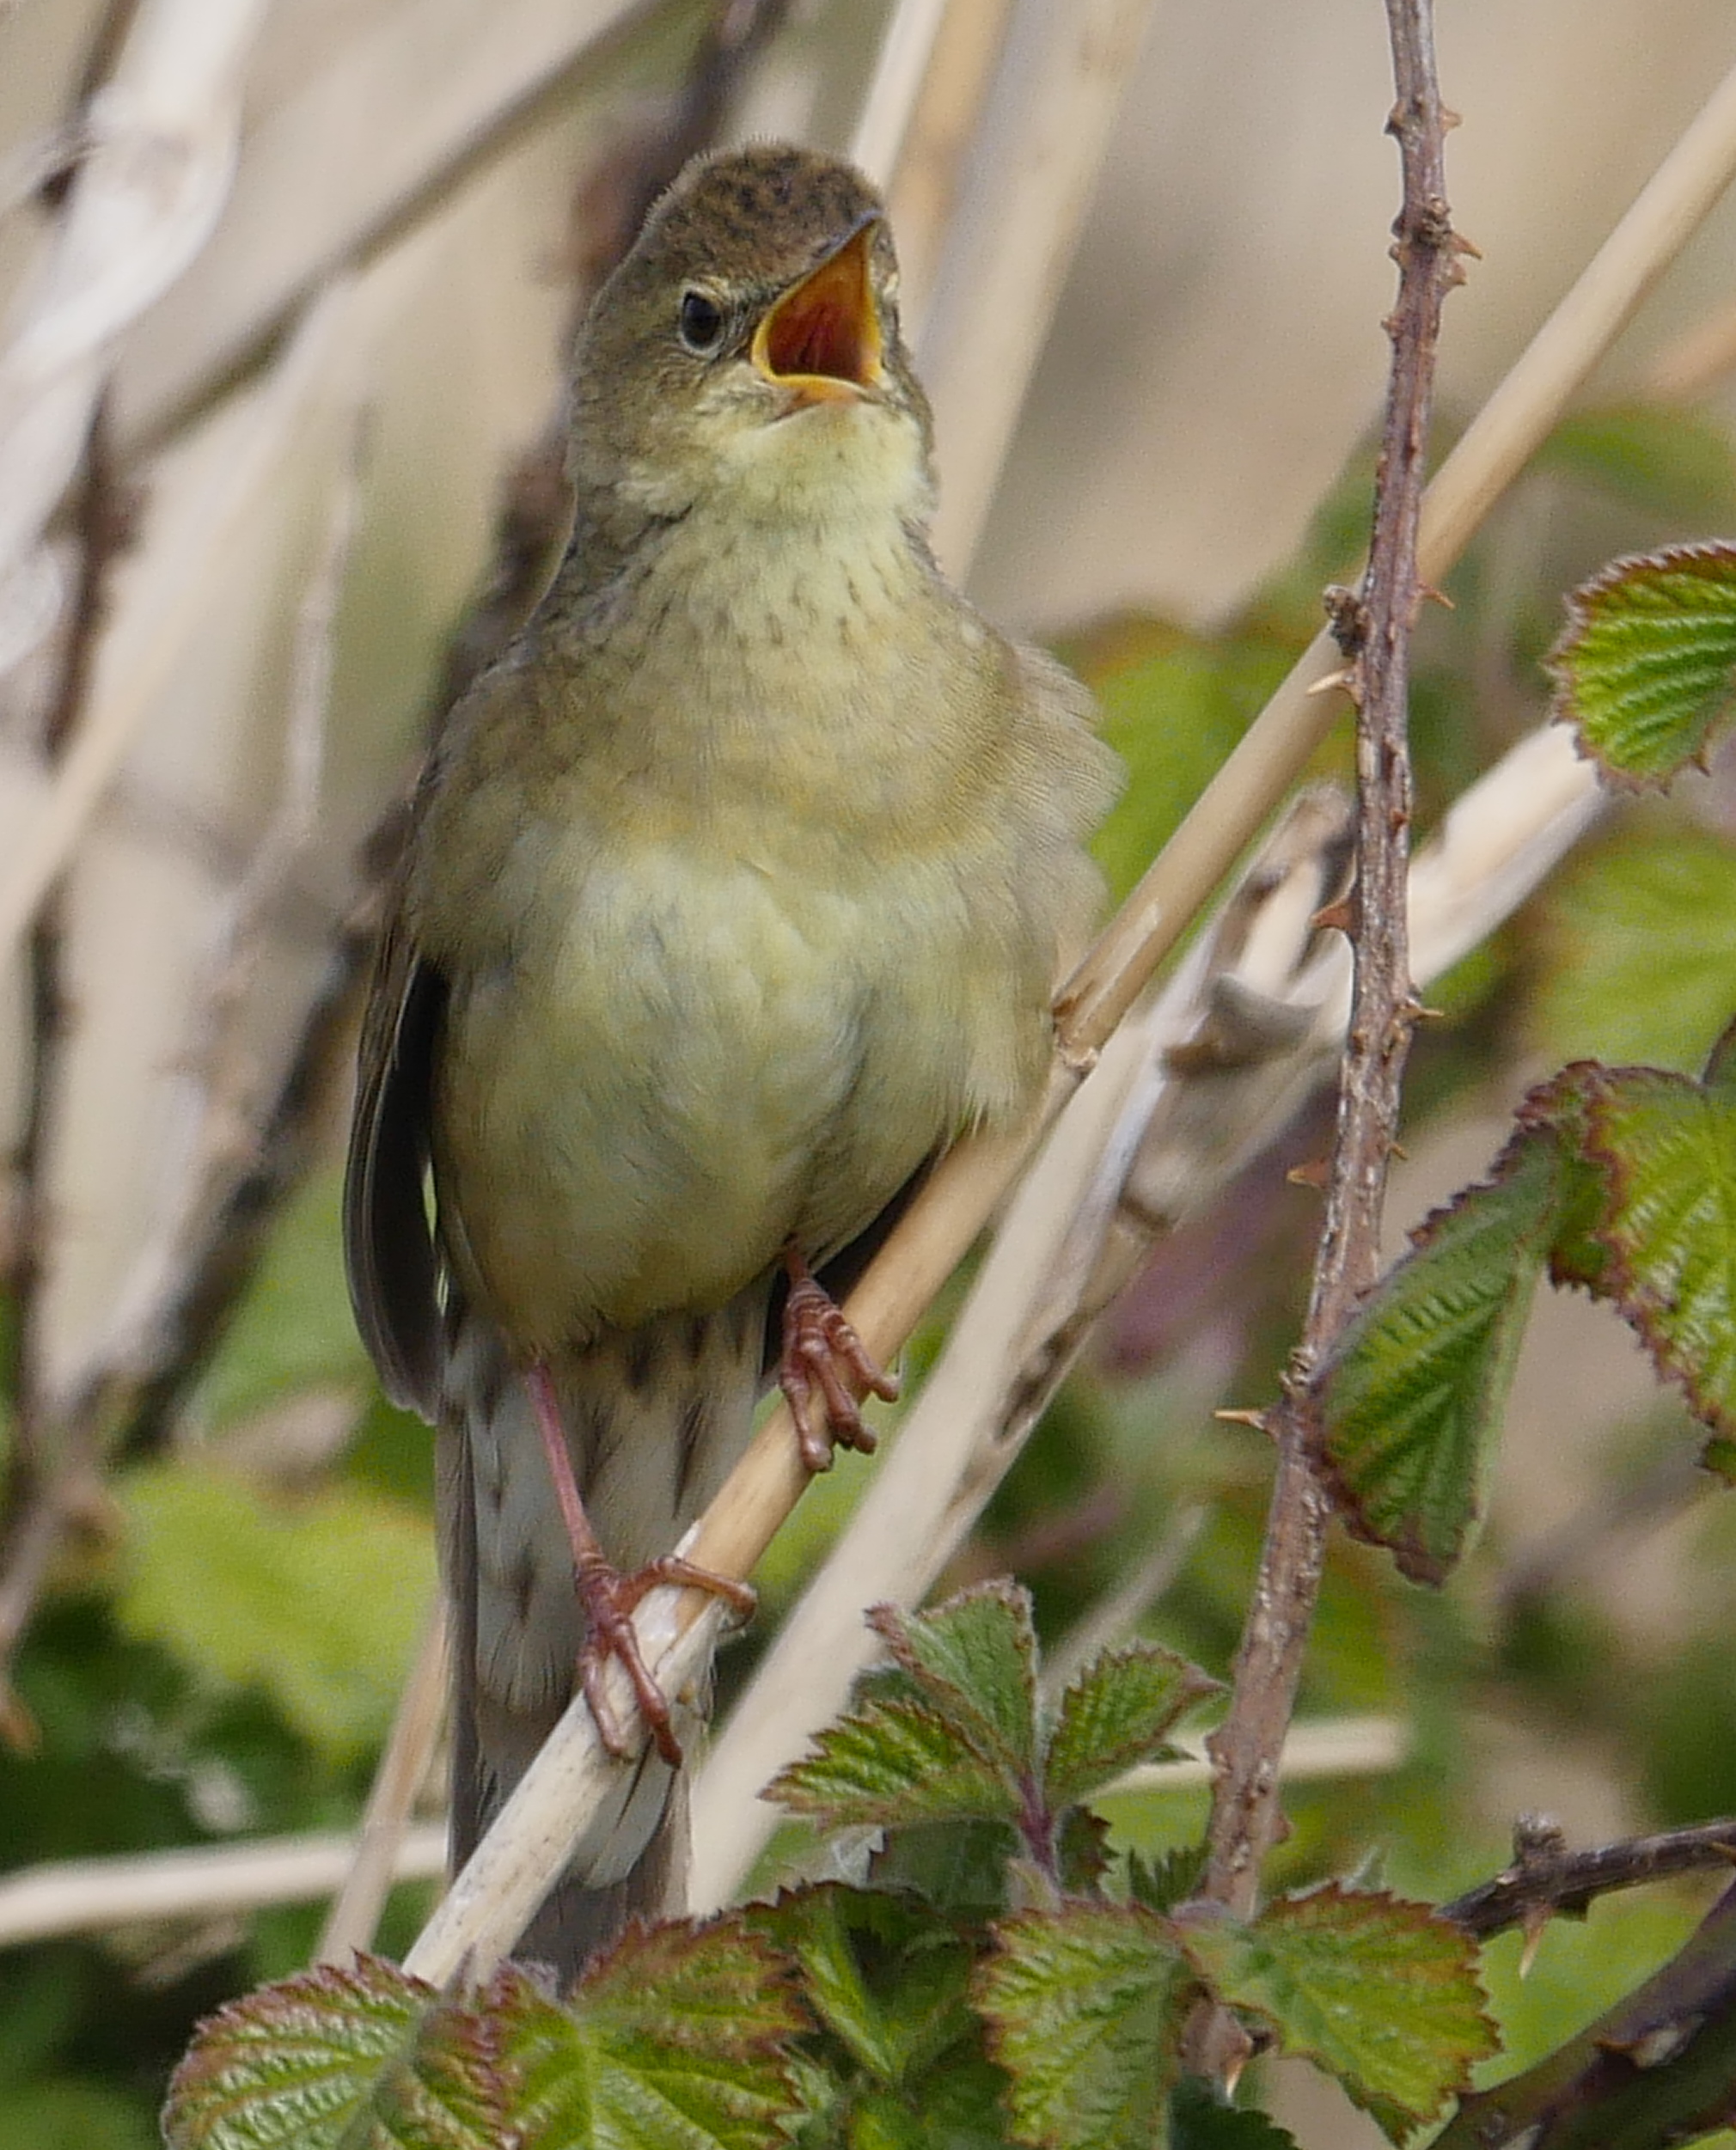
<point>1256,1418</point>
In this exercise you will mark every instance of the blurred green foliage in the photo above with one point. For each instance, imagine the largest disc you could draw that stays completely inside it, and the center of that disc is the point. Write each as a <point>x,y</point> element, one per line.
<point>226,1667</point>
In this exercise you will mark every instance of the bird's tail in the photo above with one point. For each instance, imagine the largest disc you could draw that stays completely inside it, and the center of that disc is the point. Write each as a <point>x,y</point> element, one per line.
<point>655,1418</point>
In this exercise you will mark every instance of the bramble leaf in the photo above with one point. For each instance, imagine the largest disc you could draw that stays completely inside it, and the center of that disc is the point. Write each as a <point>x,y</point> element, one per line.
<point>1409,1401</point>
<point>1116,1711</point>
<point>1667,1148</point>
<point>677,2036</point>
<point>947,1733</point>
<point>311,2060</point>
<point>1640,945</point>
<point>1647,666</point>
<point>891,1762</point>
<point>975,1657</point>
<point>1084,2008</point>
<point>1163,1883</point>
<point>884,1973</point>
<point>1379,1992</point>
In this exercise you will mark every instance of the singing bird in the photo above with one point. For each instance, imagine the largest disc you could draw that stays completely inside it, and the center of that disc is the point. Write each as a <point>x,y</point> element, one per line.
<point>734,892</point>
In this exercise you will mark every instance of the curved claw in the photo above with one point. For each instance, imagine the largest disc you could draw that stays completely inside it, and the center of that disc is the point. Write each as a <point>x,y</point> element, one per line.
<point>609,1599</point>
<point>823,1356</point>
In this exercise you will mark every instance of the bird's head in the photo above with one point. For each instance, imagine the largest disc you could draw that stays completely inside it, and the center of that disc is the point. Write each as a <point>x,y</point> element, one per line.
<point>746,350</point>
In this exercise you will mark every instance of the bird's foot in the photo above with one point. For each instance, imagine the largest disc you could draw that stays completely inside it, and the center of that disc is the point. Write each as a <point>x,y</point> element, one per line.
<point>608,1600</point>
<point>826,1363</point>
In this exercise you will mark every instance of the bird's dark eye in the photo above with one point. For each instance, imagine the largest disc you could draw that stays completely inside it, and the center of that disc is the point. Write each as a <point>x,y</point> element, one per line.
<point>701,323</point>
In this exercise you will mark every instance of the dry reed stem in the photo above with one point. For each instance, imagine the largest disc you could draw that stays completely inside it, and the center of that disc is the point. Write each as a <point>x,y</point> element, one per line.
<point>924,192</point>
<point>378,1852</point>
<point>159,606</point>
<point>94,1895</point>
<point>1027,183</point>
<point>906,50</point>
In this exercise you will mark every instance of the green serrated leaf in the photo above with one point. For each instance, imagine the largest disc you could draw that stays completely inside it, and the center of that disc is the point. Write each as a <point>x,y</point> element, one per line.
<point>307,2061</point>
<point>1410,1399</point>
<point>1668,1149</point>
<point>678,2037</point>
<point>319,1602</point>
<point>1379,1992</point>
<point>1647,666</point>
<point>894,1762</point>
<point>885,1974</point>
<point>1200,2121</point>
<point>1117,1712</point>
<point>1642,944</point>
<point>1084,2008</point>
<point>975,1658</point>
<point>1163,1883</point>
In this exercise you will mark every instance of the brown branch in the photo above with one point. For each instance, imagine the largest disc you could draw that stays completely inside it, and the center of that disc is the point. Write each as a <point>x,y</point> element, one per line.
<point>1658,2068</point>
<point>52,1462</point>
<point>1373,632</point>
<point>1546,1877</point>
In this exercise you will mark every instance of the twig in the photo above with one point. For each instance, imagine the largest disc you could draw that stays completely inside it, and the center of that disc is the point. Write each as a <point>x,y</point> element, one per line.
<point>1546,1877</point>
<point>1327,1747</point>
<point>141,1395</point>
<point>1375,629</point>
<point>1654,2069</point>
<point>416,135</point>
<point>229,1124</point>
<point>97,1896</point>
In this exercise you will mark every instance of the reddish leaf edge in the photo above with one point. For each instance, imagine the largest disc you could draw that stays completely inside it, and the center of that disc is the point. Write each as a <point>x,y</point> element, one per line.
<point>1581,606</point>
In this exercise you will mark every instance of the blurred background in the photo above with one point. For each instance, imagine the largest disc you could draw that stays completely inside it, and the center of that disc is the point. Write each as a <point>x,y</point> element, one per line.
<point>285,286</point>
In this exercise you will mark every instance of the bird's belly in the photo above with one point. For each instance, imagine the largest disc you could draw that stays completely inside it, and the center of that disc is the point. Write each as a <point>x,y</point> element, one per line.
<point>704,1057</point>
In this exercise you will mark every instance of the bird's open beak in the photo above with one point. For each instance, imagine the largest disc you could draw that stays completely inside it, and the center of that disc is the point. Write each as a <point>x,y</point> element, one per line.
<point>821,339</point>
